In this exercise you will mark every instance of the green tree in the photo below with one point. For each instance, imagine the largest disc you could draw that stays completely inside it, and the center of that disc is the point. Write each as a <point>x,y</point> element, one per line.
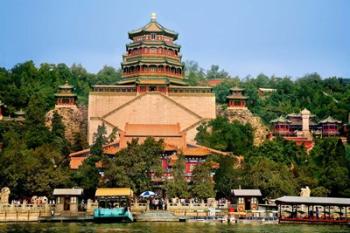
<point>222,135</point>
<point>139,163</point>
<point>40,169</point>
<point>215,73</point>
<point>57,125</point>
<point>36,132</point>
<point>108,75</point>
<point>331,166</point>
<point>87,176</point>
<point>202,184</point>
<point>194,75</point>
<point>226,177</point>
<point>58,134</point>
<point>100,140</point>
<point>177,186</point>
<point>272,178</point>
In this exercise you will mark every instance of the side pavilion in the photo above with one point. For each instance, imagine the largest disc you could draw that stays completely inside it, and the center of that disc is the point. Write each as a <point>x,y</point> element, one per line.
<point>314,209</point>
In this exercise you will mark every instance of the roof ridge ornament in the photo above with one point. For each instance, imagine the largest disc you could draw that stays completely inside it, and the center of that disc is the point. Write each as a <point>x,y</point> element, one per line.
<point>153,17</point>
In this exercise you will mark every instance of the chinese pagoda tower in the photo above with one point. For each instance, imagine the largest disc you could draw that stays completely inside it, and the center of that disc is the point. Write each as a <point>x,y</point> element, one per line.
<point>237,99</point>
<point>65,96</point>
<point>152,59</point>
<point>153,90</point>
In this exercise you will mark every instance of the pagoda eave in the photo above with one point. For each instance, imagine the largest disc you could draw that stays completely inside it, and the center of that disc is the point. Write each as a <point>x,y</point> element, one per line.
<point>237,97</point>
<point>133,34</point>
<point>162,44</point>
<point>157,61</point>
<point>65,95</point>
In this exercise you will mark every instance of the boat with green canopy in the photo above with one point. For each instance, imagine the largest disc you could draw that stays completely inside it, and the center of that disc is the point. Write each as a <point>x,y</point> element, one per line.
<point>113,205</point>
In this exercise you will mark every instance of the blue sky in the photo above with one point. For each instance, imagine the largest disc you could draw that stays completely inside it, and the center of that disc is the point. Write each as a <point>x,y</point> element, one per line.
<point>246,37</point>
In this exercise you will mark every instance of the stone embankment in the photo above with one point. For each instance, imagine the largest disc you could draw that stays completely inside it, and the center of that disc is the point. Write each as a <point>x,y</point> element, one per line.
<point>24,212</point>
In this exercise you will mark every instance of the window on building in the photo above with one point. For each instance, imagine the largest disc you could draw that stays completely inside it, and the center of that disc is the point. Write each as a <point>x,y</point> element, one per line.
<point>153,36</point>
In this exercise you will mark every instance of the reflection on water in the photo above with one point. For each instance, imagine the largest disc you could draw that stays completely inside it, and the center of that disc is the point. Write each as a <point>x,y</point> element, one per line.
<point>168,228</point>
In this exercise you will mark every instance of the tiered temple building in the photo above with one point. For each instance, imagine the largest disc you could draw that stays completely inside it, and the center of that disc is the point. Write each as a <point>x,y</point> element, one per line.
<point>65,97</point>
<point>152,90</point>
<point>293,123</point>
<point>152,99</point>
<point>237,99</point>
<point>303,126</point>
<point>66,106</point>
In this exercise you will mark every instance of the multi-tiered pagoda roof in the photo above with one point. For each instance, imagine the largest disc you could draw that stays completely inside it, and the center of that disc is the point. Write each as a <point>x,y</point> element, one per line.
<point>152,57</point>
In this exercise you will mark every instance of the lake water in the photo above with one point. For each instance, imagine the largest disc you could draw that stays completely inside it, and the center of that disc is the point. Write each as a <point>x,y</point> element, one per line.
<point>168,228</point>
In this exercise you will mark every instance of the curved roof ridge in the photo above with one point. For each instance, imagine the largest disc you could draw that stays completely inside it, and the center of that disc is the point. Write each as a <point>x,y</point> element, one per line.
<point>154,26</point>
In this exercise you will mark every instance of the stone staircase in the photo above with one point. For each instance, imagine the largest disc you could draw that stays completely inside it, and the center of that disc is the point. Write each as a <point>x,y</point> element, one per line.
<point>156,216</point>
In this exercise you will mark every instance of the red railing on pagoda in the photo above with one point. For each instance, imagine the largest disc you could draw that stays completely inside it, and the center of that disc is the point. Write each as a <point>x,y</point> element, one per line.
<point>156,52</point>
<point>280,129</point>
<point>151,73</point>
<point>235,103</point>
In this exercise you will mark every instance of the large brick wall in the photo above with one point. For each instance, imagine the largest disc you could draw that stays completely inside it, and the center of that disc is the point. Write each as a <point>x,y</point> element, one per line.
<point>116,109</point>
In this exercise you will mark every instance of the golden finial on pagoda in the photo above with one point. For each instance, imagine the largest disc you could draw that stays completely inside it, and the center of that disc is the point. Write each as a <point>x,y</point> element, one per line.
<point>153,16</point>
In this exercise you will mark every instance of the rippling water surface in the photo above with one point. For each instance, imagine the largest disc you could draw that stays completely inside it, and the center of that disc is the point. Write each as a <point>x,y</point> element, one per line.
<point>168,228</point>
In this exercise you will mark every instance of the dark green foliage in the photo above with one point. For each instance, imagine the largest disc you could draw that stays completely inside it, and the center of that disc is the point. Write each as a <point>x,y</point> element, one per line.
<point>177,187</point>
<point>78,143</point>
<point>57,134</point>
<point>222,135</point>
<point>194,75</point>
<point>227,177</point>
<point>87,176</point>
<point>100,140</point>
<point>273,178</point>
<point>202,185</point>
<point>24,80</point>
<point>57,125</point>
<point>32,160</point>
<point>31,171</point>
<point>222,91</point>
<point>108,75</point>
<point>215,73</point>
<point>36,132</point>
<point>280,150</point>
<point>332,168</point>
<point>134,165</point>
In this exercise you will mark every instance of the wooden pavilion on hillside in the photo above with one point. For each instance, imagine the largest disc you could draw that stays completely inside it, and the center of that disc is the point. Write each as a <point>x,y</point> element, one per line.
<point>330,126</point>
<point>65,96</point>
<point>237,99</point>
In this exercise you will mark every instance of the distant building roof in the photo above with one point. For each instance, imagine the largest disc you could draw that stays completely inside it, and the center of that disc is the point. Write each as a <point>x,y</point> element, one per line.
<point>313,200</point>
<point>65,86</point>
<point>267,89</point>
<point>280,119</point>
<point>236,97</point>
<point>330,119</point>
<point>215,82</point>
<point>113,192</point>
<point>160,130</point>
<point>305,112</point>
<point>20,113</point>
<point>246,192</point>
<point>153,26</point>
<point>237,89</point>
<point>68,192</point>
